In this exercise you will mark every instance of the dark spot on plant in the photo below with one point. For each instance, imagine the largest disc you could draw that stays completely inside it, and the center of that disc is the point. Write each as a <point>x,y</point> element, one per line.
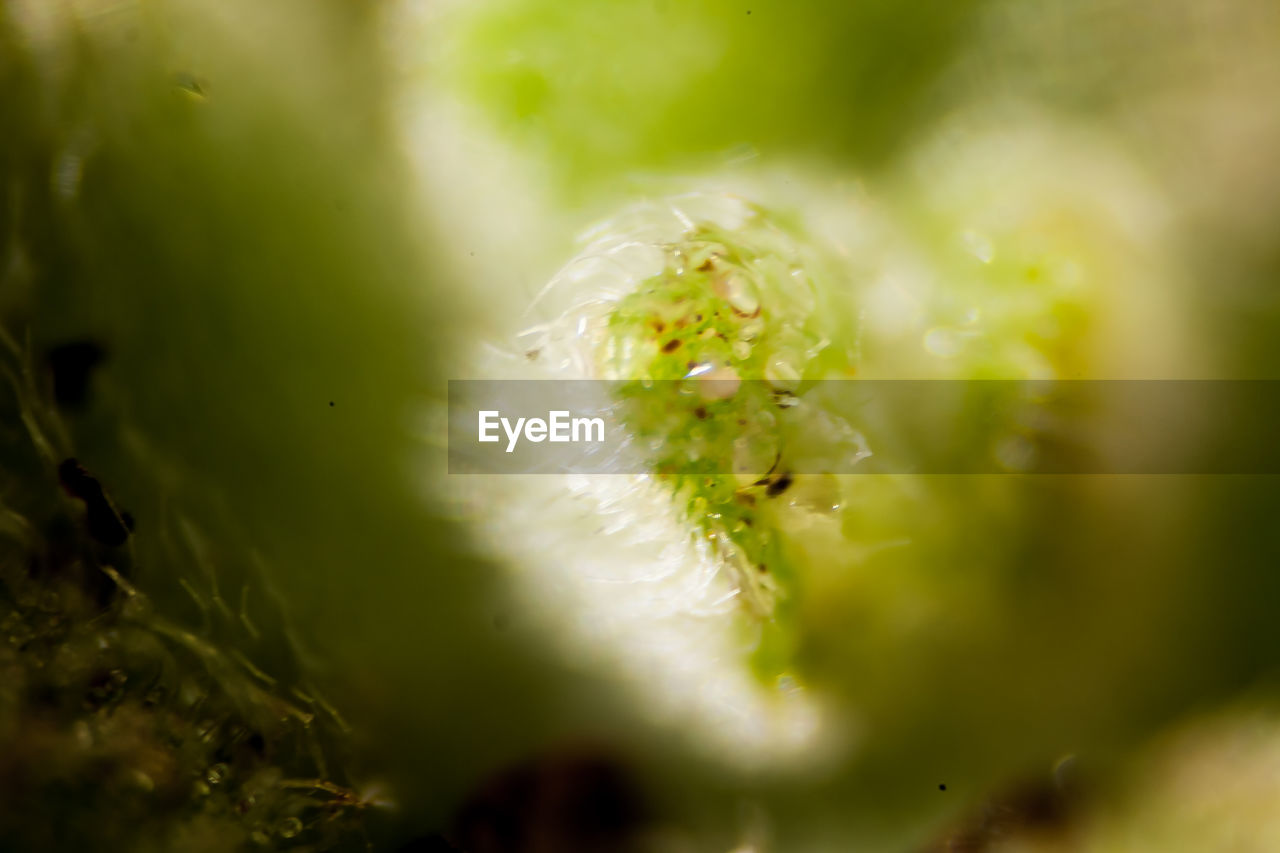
<point>573,800</point>
<point>101,518</point>
<point>71,365</point>
<point>779,486</point>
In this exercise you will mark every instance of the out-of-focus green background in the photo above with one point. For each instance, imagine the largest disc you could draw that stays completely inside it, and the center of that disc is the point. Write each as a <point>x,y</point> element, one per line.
<point>223,195</point>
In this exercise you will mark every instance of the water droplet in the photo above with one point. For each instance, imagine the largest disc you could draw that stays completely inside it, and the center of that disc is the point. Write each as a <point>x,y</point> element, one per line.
<point>817,493</point>
<point>782,373</point>
<point>741,350</point>
<point>740,293</point>
<point>289,827</point>
<point>719,384</point>
<point>217,774</point>
<point>703,256</point>
<point>942,341</point>
<point>751,329</point>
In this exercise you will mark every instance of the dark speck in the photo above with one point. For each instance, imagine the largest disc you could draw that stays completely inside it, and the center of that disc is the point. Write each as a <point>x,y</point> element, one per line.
<point>104,523</point>
<point>71,364</point>
<point>331,404</point>
<point>701,412</point>
<point>779,486</point>
<point>575,799</point>
<point>942,787</point>
<point>671,345</point>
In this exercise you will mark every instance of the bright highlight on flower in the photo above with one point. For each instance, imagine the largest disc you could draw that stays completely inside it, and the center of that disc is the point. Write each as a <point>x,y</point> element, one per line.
<point>679,576</point>
<point>726,307</point>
